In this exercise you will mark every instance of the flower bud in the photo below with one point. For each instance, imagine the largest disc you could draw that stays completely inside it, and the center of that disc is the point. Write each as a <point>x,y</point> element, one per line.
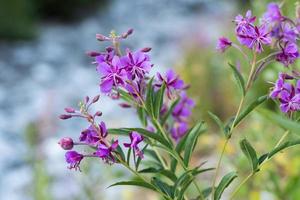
<point>65,116</point>
<point>124,105</point>
<point>146,49</point>
<point>70,110</point>
<point>66,143</point>
<point>96,98</point>
<point>87,98</point>
<point>98,114</point>
<point>101,37</point>
<point>125,35</point>
<point>93,53</point>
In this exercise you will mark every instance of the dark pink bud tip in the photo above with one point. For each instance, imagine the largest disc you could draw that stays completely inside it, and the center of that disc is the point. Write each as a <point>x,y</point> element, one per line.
<point>98,113</point>
<point>66,143</point>
<point>70,110</point>
<point>130,31</point>
<point>101,37</point>
<point>93,53</point>
<point>65,116</point>
<point>96,98</point>
<point>125,105</point>
<point>146,49</point>
<point>87,99</point>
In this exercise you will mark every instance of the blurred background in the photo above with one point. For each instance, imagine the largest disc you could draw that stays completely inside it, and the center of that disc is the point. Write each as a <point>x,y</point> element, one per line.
<point>43,68</point>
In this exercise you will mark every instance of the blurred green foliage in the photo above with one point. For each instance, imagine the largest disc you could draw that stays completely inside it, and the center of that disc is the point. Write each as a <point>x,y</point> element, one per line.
<point>19,18</point>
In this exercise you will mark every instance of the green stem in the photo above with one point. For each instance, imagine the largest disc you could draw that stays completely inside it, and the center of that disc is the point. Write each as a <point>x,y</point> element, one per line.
<point>248,85</point>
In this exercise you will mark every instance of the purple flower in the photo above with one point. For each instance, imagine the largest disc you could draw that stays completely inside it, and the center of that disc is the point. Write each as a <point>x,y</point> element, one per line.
<point>273,13</point>
<point>288,34</point>
<point>105,57</point>
<point>171,80</point>
<point>137,64</point>
<point>223,44</point>
<point>289,101</point>
<point>135,139</point>
<point>183,109</point>
<point>254,37</point>
<point>105,152</point>
<point>66,143</point>
<point>244,22</point>
<point>178,130</point>
<point>113,74</point>
<point>136,89</point>
<point>91,135</point>
<point>74,159</point>
<point>288,54</point>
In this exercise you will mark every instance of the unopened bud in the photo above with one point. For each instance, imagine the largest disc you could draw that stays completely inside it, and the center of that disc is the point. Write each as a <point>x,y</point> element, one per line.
<point>65,116</point>
<point>101,37</point>
<point>125,35</point>
<point>124,105</point>
<point>93,53</point>
<point>146,49</point>
<point>96,98</point>
<point>70,110</point>
<point>87,98</point>
<point>66,143</point>
<point>98,114</point>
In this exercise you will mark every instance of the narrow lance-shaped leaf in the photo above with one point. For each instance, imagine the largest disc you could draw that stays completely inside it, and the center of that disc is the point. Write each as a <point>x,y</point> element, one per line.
<point>138,183</point>
<point>142,116</point>
<point>245,112</point>
<point>239,78</point>
<point>283,146</point>
<point>225,182</point>
<point>283,122</point>
<point>191,141</point>
<point>149,98</point>
<point>250,153</point>
<point>219,123</point>
<point>159,97</point>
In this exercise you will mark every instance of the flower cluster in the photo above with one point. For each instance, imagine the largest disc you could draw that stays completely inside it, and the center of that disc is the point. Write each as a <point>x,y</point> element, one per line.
<point>287,93</point>
<point>278,32</point>
<point>274,28</point>
<point>126,76</point>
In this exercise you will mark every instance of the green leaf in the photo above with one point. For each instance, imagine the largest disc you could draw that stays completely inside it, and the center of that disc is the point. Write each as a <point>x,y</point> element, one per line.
<point>161,171</point>
<point>142,116</point>
<point>283,122</point>
<point>170,110</point>
<point>219,123</point>
<point>164,187</point>
<point>283,146</point>
<point>118,131</point>
<point>120,152</point>
<point>128,156</point>
<point>250,108</point>
<point>159,97</point>
<point>206,192</point>
<point>250,153</point>
<point>239,78</point>
<point>149,98</point>
<point>191,142</point>
<point>245,113</point>
<point>225,182</point>
<point>125,96</point>
<point>138,183</point>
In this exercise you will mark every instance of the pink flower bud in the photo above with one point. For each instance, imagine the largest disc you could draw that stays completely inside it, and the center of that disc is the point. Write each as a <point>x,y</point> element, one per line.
<point>98,114</point>
<point>146,49</point>
<point>87,99</point>
<point>66,143</point>
<point>70,110</point>
<point>125,105</point>
<point>101,37</point>
<point>96,98</point>
<point>125,35</point>
<point>93,53</point>
<point>65,116</point>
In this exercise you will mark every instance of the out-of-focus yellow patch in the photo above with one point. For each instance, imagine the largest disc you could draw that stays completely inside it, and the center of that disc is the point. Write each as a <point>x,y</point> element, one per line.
<point>254,195</point>
<point>281,159</point>
<point>230,149</point>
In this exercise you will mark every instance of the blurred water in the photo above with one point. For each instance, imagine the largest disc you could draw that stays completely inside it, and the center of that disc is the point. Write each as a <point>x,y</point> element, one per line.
<point>39,78</point>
